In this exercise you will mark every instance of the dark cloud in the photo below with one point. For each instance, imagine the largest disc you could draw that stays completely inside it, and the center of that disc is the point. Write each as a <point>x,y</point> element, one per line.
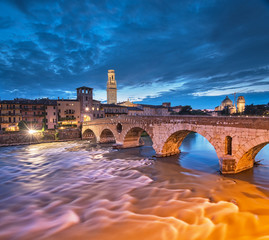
<point>189,49</point>
<point>6,22</point>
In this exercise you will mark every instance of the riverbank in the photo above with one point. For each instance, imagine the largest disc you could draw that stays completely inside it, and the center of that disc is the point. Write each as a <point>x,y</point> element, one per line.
<point>25,138</point>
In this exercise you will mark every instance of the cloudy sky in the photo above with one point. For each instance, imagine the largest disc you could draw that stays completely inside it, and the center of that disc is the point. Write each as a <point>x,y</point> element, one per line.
<point>191,52</point>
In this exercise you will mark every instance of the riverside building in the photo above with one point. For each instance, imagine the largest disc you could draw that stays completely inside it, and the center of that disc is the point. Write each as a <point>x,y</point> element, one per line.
<point>35,113</point>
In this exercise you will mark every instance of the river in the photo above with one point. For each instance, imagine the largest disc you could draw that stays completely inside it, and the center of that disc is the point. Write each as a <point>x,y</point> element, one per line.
<point>75,190</point>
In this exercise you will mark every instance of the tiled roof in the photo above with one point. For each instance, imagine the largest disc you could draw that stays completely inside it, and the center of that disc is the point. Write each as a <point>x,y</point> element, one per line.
<point>112,105</point>
<point>134,109</point>
<point>43,101</point>
<point>152,106</point>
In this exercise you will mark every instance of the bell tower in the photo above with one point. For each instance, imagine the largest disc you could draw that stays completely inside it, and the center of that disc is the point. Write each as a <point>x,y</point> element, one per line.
<point>111,88</point>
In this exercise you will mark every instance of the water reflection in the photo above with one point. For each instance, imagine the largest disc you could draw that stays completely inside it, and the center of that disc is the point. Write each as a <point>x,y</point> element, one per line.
<point>197,153</point>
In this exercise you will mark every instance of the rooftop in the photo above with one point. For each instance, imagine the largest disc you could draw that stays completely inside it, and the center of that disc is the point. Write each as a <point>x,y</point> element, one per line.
<point>84,88</point>
<point>42,101</point>
<point>134,109</point>
<point>152,106</point>
<point>112,105</point>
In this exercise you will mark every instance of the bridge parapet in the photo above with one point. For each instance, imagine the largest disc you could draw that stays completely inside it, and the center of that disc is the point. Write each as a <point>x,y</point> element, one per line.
<point>239,122</point>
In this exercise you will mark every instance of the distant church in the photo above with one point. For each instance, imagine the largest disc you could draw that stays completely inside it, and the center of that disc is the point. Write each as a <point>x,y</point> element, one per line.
<point>111,88</point>
<point>227,104</point>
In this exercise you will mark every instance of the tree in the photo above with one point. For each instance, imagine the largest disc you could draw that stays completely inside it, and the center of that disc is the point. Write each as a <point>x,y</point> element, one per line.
<point>186,110</point>
<point>23,126</point>
<point>44,124</point>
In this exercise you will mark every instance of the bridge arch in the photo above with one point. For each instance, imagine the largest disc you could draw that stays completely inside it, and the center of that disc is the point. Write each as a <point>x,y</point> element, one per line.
<point>171,145</point>
<point>249,151</point>
<point>89,134</point>
<point>107,136</point>
<point>132,137</point>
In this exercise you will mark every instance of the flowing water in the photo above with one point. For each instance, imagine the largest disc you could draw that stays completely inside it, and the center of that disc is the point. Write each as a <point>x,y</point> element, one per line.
<point>75,190</point>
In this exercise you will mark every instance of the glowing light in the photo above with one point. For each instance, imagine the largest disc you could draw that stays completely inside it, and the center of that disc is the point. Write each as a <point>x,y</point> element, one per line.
<point>32,131</point>
<point>87,109</point>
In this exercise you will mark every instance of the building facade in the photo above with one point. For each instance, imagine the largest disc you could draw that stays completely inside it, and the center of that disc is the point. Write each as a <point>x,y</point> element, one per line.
<point>73,112</point>
<point>51,115</point>
<point>111,88</point>
<point>112,110</point>
<point>10,115</point>
<point>154,110</point>
<point>69,114</point>
<point>241,102</point>
<point>127,103</point>
<point>37,114</point>
<point>230,107</point>
<point>84,96</point>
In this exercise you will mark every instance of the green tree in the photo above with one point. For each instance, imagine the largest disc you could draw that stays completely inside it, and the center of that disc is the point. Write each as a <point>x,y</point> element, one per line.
<point>23,126</point>
<point>186,110</point>
<point>44,125</point>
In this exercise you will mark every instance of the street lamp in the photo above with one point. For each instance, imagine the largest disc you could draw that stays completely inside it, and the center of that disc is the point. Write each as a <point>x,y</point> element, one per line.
<point>32,131</point>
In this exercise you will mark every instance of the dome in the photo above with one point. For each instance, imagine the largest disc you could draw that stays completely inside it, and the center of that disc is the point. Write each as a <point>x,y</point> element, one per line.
<point>227,102</point>
<point>241,99</point>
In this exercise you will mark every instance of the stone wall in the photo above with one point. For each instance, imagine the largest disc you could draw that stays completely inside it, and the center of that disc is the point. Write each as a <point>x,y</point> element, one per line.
<point>69,134</point>
<point>20,138</point>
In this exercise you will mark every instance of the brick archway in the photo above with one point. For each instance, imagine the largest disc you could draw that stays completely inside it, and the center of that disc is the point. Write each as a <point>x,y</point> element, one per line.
<point>107,136</point>
<point>174,138</point>
<point>249,152</point>
<point>132,136</point>
<point>89,134</point>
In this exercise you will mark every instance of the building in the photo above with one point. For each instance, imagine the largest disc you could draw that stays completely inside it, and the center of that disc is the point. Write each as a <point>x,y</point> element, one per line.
<point>84,96</point>
<point>226,105</point>
<point>37,114</point>
<point>97,110</point>
<point>73,112</point>
<point>127,103</point>
<point>112,110</point>
<point>229,107</point>
<point>10,115</point>
<point>51,114</point>
<point>154,110</point>
<point>241,104</point>
<point>166,104</point>
<point>175,109</point>
<point>135,111</point>
<point>111,88</point>
<point>69,114</point>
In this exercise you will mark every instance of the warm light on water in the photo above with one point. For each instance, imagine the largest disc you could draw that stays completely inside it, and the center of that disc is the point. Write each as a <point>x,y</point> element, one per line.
<point>75,191</point>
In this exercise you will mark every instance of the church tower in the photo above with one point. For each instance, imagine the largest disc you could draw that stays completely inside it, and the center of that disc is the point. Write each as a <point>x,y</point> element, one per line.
<point>241,102</point>
<point>111,88</point>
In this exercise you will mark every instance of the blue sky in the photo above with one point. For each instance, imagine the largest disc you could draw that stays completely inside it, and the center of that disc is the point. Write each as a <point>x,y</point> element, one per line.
<point>186,52</point>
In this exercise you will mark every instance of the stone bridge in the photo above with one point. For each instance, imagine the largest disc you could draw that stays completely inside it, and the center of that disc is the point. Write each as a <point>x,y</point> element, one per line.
<point>237,140</point>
